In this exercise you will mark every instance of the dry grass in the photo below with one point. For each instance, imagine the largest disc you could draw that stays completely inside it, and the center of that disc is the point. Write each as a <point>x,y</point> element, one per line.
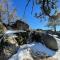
<point>3,57</point>
<point>49,58</point>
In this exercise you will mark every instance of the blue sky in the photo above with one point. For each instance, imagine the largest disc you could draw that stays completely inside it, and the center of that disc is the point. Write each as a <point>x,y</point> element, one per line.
<point>33,22</point>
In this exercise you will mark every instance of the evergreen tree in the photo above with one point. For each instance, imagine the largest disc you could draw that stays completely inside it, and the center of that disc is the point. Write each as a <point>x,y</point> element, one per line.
<point>54,21</point>
<point>46,7</point>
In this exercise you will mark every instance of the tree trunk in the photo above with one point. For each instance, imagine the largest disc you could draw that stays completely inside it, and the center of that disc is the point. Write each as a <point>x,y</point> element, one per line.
<point>55,28</point>
<point>8,12</point>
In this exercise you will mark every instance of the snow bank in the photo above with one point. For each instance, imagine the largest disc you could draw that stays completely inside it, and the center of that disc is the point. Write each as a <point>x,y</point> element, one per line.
<point>36,49</point>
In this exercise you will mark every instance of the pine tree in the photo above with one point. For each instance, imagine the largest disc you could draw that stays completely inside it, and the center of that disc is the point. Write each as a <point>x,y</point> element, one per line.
<point>54,21</point>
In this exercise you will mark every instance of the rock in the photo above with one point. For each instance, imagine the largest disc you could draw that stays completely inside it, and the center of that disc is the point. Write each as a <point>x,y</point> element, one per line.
<point>58,33</point>
<point>9,46</point>
<point>3,57</point>
<point>35,36</point>
<point>49,41</point>
<point>11,40</point>
<point>10,50</point>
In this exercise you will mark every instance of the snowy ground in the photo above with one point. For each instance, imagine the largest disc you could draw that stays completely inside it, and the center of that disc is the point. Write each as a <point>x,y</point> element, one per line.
<point>36,49</point>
